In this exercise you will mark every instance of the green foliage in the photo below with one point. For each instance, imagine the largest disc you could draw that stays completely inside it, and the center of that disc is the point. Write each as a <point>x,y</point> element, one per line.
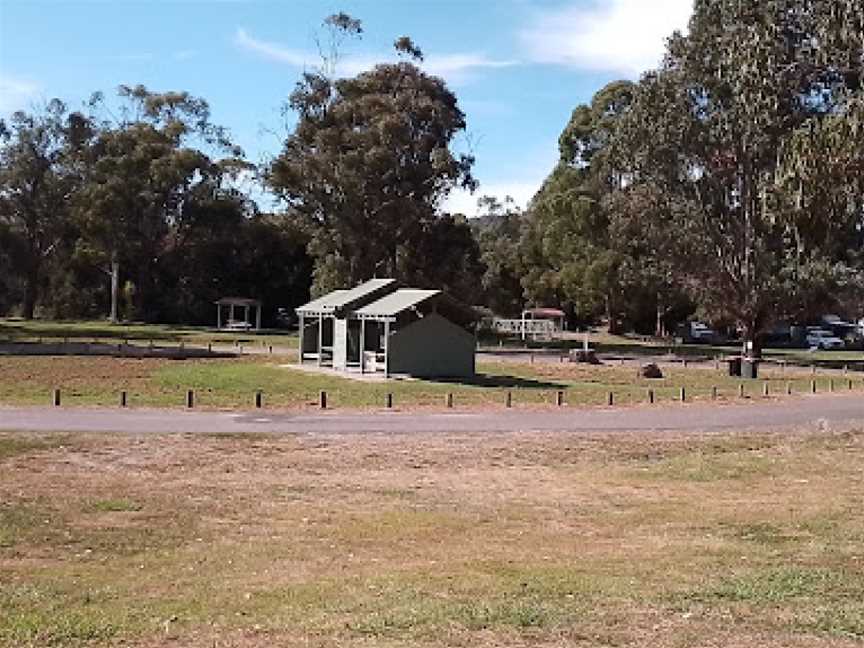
<point>498,230</point>
<point>367,167</point>
<point>745,142</point>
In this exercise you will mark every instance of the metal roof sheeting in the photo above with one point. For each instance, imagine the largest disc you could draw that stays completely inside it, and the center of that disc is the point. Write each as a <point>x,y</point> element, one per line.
<point>345,298</point>
<point>325,303</point>
<point>395,303</point>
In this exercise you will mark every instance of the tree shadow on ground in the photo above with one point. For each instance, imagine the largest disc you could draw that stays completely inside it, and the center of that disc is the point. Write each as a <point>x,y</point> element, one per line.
<point>501,382</point>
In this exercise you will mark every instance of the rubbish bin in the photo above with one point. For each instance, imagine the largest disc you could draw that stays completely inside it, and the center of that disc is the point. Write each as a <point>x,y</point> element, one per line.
<point>734,366</point>
<point>750,368</point>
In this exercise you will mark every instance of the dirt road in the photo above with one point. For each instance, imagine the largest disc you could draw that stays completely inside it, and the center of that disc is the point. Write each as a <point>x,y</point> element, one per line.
<point>799,411</point>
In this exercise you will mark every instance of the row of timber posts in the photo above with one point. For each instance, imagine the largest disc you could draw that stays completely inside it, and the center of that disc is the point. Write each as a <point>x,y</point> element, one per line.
<point>449,398</point>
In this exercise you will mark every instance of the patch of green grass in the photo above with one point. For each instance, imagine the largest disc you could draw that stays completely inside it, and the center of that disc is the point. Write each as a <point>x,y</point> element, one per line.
<point>55,616</point>
<point>701,466</point>
<point>114,505</point>
<point>781,585</point>
<point>15,445</point>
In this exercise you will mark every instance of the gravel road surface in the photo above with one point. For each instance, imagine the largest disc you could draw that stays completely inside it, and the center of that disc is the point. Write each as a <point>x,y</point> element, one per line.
<point>847,408</point>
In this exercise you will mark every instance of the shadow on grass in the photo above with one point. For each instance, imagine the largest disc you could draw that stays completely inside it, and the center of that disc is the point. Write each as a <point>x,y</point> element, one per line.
<point>119,350</point>
<point>501,382</point>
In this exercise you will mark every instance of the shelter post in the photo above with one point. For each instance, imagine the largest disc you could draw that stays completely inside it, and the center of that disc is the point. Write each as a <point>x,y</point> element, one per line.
<point>258,317</point>
<point>320,338</point>
<point>386,348</point>
<point>362,345</point>
<point>302,337</point>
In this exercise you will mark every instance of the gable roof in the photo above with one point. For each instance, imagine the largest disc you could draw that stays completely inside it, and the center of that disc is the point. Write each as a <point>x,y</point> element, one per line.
<point>345,299</point>
<point>395,303</point>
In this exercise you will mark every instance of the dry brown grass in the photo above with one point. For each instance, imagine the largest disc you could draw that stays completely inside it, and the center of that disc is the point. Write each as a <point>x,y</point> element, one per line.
<point>476,540</point>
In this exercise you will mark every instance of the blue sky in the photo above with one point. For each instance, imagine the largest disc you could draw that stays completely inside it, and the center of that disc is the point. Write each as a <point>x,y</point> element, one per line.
<point>518,67</point>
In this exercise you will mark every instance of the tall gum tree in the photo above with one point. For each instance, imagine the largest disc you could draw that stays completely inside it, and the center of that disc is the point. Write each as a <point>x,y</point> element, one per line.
<point>731,137</point>
<point>137,172</point>
<point>368,165</point>
<point>35,186</point>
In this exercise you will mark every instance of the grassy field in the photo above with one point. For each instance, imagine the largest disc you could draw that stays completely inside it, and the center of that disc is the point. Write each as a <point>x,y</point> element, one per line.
<point>283,340</point>
<point>232,383</point>
<point>102,331</point>
<point>433,540</point>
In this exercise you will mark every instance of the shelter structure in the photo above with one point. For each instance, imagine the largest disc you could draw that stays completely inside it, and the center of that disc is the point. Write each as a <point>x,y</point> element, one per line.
<point>380,327</point>
<point>233,323</point>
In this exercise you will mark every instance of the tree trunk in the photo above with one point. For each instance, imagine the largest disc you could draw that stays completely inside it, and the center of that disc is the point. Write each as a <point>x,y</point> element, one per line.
<point>750,345</point>
<point>614,329</point>
<point>115,286</point>
<point>31,289</point>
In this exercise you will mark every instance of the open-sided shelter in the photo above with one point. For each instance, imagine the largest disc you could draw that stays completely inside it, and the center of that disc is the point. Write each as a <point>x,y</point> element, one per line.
<point>379,327</point>
<point>233,323</point>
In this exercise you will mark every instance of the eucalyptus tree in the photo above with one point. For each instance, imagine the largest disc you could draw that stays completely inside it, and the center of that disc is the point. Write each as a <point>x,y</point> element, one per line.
<point>749,139</point>
<point>139,169</point>
<point>368,165</point>
<point>498,230</point>
<point>35,186</point>
<point>569,256</point>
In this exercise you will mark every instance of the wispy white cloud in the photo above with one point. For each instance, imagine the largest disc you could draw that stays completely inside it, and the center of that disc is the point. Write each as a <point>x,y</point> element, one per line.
<point>456,67</point>
<point>453,67</point>
<point>270,51</point>
<point>16,93</point>
<point>622,36</point>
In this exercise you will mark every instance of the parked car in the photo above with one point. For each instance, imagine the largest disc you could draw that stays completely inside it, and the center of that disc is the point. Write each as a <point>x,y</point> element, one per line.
<point>702,334</point>
<point>838,325</point>
<point>822,339</point>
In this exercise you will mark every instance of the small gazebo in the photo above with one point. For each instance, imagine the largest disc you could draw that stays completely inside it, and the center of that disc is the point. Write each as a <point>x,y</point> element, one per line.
<point>234,324</point>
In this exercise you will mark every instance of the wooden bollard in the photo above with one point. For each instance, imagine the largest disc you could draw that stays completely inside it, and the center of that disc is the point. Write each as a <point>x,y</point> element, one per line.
<point>850,384</point>
<point>388,400</point>
<point>651,396</point>
<point>508,399</point>
<point>271,348</point>
<point>683,394</point>
<point>190,399</point>
<point>123,398</point>
<point>714,393</point>
<point>741,390</point>
<point>813,370</point>
<point>322,399</point>
<point>789,388</point>
<point>209,347</point>
<point>831,385</point>
<point>812,386</point>
<point>559,398</point>
<point>259,399</point>
<point>765,389</point>
<point>448,401</point>
<point>55,398</point>
<point>610,399</point>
